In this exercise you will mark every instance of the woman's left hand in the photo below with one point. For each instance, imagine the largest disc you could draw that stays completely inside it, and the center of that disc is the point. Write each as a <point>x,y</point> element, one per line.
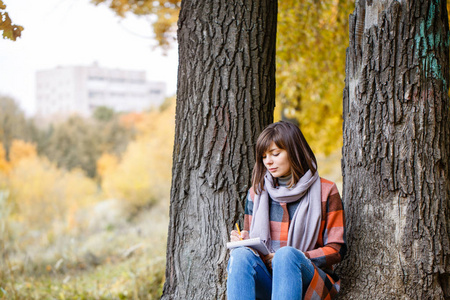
<point>268,260</point>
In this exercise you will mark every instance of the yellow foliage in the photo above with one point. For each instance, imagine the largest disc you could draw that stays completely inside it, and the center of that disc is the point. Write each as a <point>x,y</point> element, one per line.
<point>10,31</point>
<point>43,194</point>
<point>145,123</point>
<point>143,175</point>
<point>164,13</point>
<point>21,150</point>
<point>106,164</point>
<point>130,120</point>
<point>5,166</point>
<point>311,68</point>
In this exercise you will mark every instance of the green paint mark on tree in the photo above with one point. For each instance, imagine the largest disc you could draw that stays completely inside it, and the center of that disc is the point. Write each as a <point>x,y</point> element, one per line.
<point>431,14</point>
<point>428,40</point>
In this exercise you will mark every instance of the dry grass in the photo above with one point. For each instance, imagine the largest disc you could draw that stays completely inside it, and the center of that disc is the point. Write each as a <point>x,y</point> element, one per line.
<point>126,261</point>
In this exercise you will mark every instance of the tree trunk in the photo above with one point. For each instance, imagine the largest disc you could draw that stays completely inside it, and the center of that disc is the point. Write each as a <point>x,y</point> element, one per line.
<point>396,151</point>
<point>225,97</point>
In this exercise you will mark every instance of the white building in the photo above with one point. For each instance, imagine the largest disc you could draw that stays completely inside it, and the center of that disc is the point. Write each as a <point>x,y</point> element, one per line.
<point>81,89</point>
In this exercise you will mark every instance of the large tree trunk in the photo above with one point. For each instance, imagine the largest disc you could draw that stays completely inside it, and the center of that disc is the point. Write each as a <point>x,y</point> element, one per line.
<point>396,151</point>
<point>225,97</point>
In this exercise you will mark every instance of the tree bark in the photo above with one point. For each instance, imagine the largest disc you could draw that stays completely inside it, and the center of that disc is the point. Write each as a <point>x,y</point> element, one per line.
<point>225,97</point>
<point>396,151</point>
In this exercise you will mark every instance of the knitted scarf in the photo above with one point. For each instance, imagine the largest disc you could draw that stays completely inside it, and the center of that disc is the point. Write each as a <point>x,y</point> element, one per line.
<point>305,224</point>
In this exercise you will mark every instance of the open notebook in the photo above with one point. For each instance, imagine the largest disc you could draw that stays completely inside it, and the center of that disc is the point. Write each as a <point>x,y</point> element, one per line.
<point>255,243</point>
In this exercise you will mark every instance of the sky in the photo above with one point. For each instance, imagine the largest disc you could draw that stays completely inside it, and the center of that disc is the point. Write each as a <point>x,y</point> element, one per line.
<point>76,32</point>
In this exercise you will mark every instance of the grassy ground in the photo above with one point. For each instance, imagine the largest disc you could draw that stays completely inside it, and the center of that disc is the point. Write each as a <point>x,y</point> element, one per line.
<point>126,261</point>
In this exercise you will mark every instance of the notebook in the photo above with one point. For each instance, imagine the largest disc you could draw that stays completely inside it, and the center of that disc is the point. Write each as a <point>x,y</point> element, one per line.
<point>255,243</point>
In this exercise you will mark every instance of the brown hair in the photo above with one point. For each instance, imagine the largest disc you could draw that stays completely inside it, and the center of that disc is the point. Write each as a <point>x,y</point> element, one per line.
<point>286,136</point>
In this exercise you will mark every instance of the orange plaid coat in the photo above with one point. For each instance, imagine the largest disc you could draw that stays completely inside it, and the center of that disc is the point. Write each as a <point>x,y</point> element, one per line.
<point>330,247</point>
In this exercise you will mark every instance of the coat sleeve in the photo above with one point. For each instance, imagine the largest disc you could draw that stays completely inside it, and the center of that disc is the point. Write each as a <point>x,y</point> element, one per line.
<point>331,246</point>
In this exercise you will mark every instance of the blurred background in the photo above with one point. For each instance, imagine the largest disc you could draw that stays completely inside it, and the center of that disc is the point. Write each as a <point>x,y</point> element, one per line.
<point>87,106</point>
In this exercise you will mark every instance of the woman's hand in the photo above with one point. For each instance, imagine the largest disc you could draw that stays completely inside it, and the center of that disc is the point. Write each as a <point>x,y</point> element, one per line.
<point>234,236</point>
<point>268,260</point>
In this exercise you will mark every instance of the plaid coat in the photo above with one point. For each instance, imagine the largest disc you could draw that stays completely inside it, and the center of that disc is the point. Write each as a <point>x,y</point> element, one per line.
<point>330,247</point>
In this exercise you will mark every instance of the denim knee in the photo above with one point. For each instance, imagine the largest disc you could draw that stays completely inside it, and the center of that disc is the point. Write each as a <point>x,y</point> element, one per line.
<point>242,254</point>
<point>242,258</point>
<point>292,273</point>
<point>248,277</point>
<point>288,254</point>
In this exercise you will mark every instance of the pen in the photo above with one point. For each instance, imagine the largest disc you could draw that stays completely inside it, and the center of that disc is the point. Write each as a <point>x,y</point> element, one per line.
<point>239,231</point>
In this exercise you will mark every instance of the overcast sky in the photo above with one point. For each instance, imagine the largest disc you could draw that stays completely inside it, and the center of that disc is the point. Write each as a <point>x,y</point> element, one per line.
<point>76,32</point>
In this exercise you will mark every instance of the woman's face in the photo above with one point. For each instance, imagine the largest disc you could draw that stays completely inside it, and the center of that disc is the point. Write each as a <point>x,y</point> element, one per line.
<point>276,161</point>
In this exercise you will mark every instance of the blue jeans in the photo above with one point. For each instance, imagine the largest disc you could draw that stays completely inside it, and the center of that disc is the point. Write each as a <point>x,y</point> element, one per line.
<point>249,278</point>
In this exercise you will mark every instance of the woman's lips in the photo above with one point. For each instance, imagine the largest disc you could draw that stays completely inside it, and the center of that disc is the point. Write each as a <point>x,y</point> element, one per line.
<point>272,170</point>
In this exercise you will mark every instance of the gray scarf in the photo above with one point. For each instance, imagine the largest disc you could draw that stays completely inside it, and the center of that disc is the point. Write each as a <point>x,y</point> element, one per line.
<point>305,224</point>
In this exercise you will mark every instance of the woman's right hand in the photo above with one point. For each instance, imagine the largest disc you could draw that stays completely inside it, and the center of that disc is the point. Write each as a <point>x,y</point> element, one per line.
<point>234,236</point>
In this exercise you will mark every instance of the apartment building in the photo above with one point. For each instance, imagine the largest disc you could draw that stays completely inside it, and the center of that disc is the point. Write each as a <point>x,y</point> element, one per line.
<point>81,89</point>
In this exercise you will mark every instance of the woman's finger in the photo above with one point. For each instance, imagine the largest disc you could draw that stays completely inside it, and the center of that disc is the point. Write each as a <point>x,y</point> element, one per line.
<point>245,235</point>
<point>234,233</point>
<point>234,238</point>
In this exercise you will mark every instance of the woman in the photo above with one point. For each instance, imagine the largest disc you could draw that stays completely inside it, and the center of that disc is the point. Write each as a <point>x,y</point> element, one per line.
<point>300,218</point>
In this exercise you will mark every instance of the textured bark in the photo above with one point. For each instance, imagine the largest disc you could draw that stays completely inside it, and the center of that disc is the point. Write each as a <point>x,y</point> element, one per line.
<point>225,97</point>
<point>396,151</point>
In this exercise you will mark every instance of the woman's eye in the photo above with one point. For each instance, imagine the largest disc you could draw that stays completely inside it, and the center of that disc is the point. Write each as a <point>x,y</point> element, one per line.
<point>276,154</point>
<point>263,157</point>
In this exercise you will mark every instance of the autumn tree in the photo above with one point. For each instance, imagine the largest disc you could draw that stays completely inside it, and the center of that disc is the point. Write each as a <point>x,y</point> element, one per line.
<point>13,124</point>
<point>396,151</point>
<point>5,166</point>
<point>164,15</point>
<point>10,31</point>
<point>311,40</point>
<point>103,114</point>
<point>41,194</point>
<point>146,163</point>
<point>78,142</point>
<point>225,97</point>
